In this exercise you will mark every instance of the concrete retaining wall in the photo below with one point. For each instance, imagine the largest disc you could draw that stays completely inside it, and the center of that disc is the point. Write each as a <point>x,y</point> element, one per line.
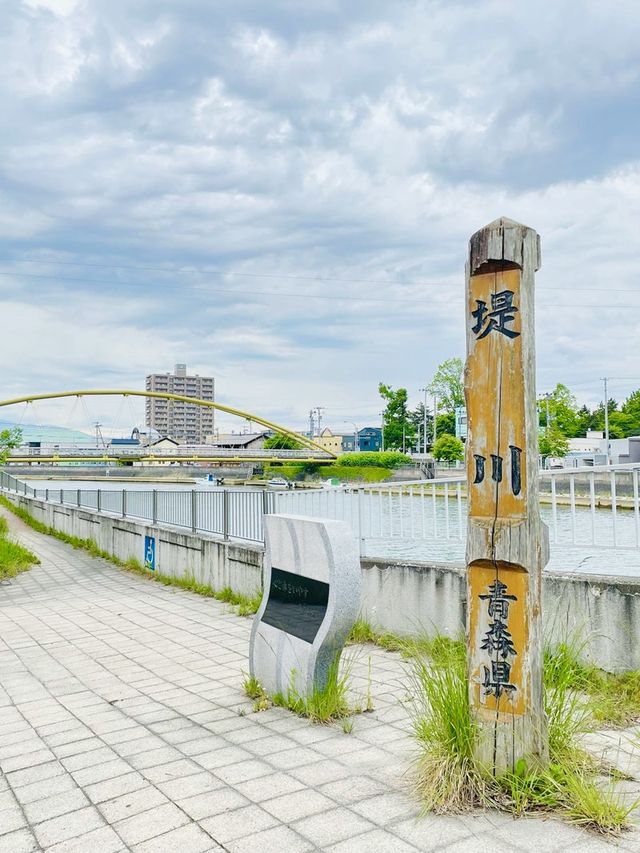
<point>601,612</point>
<point>397,597</point>
<point>178,553</point>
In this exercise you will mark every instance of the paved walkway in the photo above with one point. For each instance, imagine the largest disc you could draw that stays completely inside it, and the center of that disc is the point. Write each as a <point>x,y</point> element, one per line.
<point>123,726</point>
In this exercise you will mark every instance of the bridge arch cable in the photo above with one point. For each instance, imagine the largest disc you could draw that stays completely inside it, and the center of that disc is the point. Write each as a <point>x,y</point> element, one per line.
<point>319,453</point>
<point>72,413</point>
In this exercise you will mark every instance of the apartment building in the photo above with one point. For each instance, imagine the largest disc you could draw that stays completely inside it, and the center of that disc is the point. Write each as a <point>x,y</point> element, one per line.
<point>179,419</point>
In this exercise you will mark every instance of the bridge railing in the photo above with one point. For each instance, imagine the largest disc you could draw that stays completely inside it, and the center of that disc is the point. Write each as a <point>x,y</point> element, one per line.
<point>146,452</point>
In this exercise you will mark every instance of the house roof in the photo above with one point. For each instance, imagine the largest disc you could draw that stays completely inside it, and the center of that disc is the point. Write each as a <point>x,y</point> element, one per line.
<point>238,440</point>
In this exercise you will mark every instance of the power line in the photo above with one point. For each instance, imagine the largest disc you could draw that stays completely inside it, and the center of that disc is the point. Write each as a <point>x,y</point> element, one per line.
<point>222,272</point>
<point>339,280</point>
<point>205,289</point>
<point>291,295</point>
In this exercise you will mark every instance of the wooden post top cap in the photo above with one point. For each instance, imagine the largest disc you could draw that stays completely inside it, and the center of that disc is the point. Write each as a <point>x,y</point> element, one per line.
<point>504,240</point>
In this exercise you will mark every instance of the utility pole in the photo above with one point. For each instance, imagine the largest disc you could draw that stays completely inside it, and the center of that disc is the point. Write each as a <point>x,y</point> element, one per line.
<point>435,418</point>
<point>424,422</point>
<point>319,411</point>
<point>311,423</point>
<point>547,401</point>
<point>606,419</point>
<point>99,438</point>
<point>356,438</point>
<point>382,431</point>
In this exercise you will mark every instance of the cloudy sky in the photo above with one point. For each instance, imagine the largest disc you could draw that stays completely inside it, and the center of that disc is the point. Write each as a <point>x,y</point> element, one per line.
<point>280,193</point>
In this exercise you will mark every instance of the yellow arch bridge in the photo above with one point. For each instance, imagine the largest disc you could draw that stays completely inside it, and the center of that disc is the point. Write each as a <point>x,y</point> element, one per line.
<point>310,451</point>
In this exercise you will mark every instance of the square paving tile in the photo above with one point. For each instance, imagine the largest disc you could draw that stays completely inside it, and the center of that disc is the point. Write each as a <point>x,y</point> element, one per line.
<point>247,820</point>
<point>332,826</point>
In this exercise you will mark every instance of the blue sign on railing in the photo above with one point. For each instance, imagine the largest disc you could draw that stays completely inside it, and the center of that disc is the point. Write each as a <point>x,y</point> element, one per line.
<point>150,553</point>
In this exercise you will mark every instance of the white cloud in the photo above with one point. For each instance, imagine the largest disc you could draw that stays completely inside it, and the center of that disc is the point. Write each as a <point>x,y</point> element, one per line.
<point>311,141</point>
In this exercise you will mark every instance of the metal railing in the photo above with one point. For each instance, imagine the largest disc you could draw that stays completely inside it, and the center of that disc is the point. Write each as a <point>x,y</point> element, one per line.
<point>232,514</point>
<point>595,507</point>
<point>149,452</point>
<point>585,508</point>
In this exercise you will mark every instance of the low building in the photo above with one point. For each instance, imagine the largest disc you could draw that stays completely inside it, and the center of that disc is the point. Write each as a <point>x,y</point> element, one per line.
<point>238,441</point>
<point>592,450</point>
<point>329,440</point>
<point>370,438</point>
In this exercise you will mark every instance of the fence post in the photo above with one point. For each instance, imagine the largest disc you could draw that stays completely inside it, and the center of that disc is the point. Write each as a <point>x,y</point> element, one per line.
<point>154,506</point>
<point>265,511</point>
<point>98,500</point>
<point>225,514</point>
<point>124,503</point>
<point>46,494</point>
<point>61,497</point>
<point>78,497</point>
<point>359,506</point>
<point>194,510</point>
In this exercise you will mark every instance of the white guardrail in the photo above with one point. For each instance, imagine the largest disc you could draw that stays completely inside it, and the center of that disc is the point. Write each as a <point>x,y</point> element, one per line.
<point>583,507</point>
<point>230,513</point>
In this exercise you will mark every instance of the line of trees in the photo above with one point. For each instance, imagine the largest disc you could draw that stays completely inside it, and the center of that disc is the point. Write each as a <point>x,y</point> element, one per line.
<point>403,427</point>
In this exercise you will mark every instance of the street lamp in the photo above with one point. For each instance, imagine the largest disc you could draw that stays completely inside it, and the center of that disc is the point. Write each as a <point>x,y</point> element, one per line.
<point>356,444</point>
<point>382,431</point>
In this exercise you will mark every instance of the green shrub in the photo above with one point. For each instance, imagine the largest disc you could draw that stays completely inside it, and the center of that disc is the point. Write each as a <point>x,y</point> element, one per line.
<point>380,459</point>
<point>449,448</point>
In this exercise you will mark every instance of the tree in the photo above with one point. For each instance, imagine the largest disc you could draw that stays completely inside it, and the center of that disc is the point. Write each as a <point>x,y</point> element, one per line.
<point>416,416</point>
<point>280,441</point>
<point>399,430</point>
<point>631,409</point>
<point>553,443</point>
<point>446,424</point>
<point>616,429</point>
<point>448,385</point>
<point>9,438</point>
<point>449,448</point>
<point>563,411</point>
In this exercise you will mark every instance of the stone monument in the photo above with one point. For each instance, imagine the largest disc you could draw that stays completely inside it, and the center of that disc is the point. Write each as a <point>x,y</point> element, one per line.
<point>310,602</point>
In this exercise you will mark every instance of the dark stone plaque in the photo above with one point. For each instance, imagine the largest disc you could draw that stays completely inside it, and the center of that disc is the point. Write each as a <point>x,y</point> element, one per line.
<point>296,604</point>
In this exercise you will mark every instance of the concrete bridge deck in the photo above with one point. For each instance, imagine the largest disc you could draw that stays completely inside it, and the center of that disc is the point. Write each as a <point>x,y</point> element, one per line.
<point>123,726</point>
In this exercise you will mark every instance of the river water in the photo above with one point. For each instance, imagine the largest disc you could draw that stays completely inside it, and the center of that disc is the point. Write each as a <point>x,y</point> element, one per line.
<point>415,528</point>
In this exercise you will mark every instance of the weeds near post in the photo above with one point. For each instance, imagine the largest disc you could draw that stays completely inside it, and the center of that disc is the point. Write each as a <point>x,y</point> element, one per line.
<point>448,777</point>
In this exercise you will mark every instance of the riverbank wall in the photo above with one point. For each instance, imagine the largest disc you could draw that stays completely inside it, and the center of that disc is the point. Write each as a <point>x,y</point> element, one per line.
<point>401,597</point>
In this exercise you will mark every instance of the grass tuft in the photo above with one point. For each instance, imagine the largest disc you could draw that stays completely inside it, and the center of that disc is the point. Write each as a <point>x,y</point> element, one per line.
<point>14,558</point>
<point>448,777</point>
<point>321,705</point>
<point>325,705</point>
<point>446,774</point>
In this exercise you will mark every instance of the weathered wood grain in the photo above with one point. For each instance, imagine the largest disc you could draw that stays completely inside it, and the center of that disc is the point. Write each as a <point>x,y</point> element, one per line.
<point>507,544</point>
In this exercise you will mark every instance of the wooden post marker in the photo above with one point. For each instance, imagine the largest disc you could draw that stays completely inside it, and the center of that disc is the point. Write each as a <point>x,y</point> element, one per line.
<point>507,543</point>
